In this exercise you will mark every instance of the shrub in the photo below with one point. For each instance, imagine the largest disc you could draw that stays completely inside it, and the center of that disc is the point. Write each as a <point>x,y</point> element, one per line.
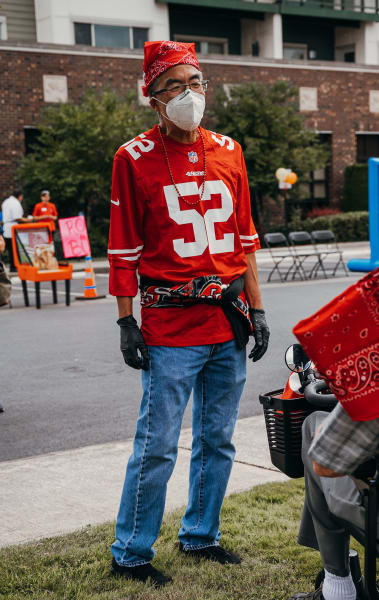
<point>355,193</point>
<point>347,227</point>
<point>322,212</point>
<point>99,240</point>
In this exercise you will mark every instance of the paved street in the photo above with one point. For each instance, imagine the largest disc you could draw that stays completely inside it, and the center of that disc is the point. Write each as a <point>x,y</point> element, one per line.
<point>71,406</point>
<point>64,382</point>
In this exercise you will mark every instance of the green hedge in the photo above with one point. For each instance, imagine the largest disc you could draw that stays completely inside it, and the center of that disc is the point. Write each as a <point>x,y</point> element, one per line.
<point>98,237</point>
<point>355,193</point>
<point>347,227</point>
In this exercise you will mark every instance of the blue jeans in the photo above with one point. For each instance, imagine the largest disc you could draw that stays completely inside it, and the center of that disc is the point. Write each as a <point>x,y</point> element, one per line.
<point>216,373</point>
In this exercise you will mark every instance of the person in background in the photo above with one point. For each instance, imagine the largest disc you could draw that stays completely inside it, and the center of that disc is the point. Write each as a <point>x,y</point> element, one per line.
<point>2,241</point>
<point>45,210</point>
<point>5,283</point>
<point>2,271</point>
<point>12,214</point>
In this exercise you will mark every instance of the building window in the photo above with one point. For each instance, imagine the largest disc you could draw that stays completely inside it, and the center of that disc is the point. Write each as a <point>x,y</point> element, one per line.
<point>295,51</point>
<point>83,34</point>
<point>3,28</point>
<point>367,146</point>
<point>315,190</point>
<point>140,36</point>
<point>205,45</point>
<point>31,138</point>
<point>110,36</point>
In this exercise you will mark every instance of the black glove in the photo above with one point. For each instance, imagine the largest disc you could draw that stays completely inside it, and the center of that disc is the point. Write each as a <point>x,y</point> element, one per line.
<point>131,341</point>
<point>261,333</point>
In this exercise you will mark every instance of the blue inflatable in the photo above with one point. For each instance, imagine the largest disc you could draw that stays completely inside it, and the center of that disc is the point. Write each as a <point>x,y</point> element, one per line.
<point>368,264</point>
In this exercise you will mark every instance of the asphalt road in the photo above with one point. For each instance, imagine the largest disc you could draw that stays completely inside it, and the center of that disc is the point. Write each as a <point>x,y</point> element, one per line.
<point>65,385</point>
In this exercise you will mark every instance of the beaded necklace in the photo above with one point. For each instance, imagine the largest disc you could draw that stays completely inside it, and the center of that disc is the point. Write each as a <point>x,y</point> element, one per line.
<point>172,178</point>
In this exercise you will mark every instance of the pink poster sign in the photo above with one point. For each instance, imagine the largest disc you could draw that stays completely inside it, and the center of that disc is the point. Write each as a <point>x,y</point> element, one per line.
<point>74,237</point>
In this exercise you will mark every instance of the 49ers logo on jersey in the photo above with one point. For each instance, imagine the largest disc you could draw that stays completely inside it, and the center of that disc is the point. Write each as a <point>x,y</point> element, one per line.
<point>203,226</point>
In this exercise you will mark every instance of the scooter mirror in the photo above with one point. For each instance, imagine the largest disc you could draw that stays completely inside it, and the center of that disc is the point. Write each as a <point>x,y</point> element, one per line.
<point>296,359</point>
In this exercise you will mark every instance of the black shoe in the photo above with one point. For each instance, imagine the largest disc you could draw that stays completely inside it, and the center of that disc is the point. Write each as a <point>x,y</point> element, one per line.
<point>317,595</point>
<point>215,553</point>
<point>141,573</point>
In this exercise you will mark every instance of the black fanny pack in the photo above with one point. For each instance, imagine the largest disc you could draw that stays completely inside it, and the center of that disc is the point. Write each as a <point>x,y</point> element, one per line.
<point>207,289</point>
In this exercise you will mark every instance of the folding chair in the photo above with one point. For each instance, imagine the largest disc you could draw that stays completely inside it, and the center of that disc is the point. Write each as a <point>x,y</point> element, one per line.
<point>275,243</point>
<point>303,239</point>
<point>326,244</point>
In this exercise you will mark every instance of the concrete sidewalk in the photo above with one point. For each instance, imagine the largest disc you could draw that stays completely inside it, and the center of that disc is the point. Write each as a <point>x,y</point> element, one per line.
<point>61,492</point>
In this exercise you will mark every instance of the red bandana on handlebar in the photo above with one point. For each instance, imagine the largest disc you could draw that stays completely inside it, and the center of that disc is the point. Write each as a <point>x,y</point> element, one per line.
<point>342,339</point>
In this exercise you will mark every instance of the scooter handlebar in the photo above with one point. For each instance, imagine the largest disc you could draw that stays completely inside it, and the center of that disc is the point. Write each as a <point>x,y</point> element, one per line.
<point>313,394</point>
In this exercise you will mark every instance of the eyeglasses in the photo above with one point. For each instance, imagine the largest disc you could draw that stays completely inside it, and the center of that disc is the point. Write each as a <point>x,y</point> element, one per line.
<point>196,86</point>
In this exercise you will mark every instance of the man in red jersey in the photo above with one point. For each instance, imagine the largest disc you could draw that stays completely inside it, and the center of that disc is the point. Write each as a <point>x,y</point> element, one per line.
<point>180,214</point>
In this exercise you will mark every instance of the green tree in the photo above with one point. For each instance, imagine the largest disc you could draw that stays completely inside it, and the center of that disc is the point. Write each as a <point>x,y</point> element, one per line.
<point>74,154</point>
<point>267,123</point>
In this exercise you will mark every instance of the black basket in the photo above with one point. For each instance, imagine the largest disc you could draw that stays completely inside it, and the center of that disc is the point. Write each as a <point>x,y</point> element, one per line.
<point>284,419</point>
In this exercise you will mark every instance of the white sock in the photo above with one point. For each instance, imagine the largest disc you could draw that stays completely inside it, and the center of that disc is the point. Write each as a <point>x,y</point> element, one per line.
<point>338,588</point>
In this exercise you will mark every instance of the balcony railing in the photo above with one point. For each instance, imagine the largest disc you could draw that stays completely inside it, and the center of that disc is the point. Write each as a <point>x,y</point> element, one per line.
<point>358,6</point>
<point>359,10</point>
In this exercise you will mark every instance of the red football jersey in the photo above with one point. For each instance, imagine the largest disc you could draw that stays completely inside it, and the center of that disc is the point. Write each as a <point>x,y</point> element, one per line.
<point>168,238</point>
<point>45,209</point>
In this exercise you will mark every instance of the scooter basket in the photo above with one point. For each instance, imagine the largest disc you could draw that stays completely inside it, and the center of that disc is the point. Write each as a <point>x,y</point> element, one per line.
<point>284,419</point>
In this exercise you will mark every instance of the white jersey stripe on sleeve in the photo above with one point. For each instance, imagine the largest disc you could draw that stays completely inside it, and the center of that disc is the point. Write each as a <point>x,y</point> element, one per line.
<point>247,243</point>
<point>130,257</point>
<point>126,250</point>
<point>248,237</point>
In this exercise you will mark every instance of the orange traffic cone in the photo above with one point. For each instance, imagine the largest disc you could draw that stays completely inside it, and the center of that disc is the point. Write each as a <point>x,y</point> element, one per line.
<point>90,291</point>
<point>292,389</point>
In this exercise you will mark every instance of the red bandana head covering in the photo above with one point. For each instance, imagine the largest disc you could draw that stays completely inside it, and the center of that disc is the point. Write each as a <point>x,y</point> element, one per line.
<point>161,56</point>
<point>342,339</point>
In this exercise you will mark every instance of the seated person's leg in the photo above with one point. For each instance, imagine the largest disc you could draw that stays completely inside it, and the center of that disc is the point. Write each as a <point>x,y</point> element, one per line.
<point>321,528</point>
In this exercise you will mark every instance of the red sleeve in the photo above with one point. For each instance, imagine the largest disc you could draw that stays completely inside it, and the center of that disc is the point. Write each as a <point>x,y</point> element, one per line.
<point>55,212</point>
<point>247,232</point>
<point>36,211</point>
<point>125,231</point>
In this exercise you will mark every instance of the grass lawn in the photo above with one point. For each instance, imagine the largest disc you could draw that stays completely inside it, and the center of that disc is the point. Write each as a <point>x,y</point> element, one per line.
<point>260,524</point>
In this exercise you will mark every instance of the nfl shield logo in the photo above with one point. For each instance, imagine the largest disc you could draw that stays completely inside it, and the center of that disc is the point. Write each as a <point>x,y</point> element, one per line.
<point>192,156</point>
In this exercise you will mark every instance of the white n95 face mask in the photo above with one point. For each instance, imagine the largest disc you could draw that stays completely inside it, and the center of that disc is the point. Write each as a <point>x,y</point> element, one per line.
<point>186,110</point>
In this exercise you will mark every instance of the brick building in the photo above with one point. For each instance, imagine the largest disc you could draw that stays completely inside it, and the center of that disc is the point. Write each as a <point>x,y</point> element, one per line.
<point>43,62</point>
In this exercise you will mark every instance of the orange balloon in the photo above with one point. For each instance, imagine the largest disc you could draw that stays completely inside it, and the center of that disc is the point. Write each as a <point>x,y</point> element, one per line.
<point>291,178</point>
